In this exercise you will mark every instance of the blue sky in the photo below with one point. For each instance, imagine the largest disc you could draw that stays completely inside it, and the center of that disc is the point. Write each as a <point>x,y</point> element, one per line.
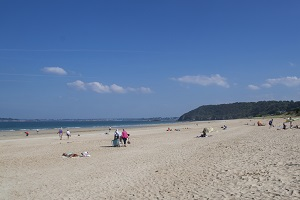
<point>116,59</point>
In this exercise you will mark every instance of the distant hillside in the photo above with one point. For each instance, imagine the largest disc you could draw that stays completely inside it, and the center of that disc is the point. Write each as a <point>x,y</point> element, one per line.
<point>241,110</point>
<point>7,119</point>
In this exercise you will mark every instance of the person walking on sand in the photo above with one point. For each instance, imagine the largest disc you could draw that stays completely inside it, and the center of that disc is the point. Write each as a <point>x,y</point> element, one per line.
<point>60,132</point>
<point>68,134</point>
<point>124,137</point>
<point>271,123</point>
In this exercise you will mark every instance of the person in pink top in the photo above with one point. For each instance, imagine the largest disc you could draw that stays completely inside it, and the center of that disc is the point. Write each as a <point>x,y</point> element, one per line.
<point>124,136</point>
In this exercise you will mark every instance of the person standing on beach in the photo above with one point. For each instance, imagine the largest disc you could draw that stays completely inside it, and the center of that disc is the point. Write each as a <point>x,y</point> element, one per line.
<point>68,134</point>
<point>118,136</point>
<point>124,136</point>
<point>60,132</point>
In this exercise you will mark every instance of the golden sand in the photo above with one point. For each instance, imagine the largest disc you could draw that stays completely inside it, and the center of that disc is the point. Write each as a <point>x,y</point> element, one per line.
<point>241,162</point>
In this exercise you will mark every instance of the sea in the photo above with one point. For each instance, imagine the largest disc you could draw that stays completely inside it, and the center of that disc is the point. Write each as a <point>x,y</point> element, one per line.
<point>27,125</point>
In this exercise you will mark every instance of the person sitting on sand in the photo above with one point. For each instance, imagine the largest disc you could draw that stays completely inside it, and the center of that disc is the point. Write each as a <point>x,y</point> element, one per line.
<point>26,133</point>
<point>205,130</point>
<point>259,124</point>
<point>224,127</point>
<point>284,126</point>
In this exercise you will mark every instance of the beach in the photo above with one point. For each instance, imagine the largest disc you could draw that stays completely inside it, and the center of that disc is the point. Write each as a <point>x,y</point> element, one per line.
<point>242,162</point>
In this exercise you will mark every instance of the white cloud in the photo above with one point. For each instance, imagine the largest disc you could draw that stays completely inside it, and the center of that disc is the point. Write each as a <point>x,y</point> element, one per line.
<point>98,87</point>
<point>253,87</point>
<point>117,89</point>
<point>77,84</point>
<point>204,80</point>
<point>266,85</point>
<point>145,90</point>
<point>287,81</point>
<point>101,88</point>
<point>54,70</point>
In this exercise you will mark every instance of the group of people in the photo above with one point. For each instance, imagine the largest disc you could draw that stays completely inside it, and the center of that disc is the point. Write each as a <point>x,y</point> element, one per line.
<point>122,137</point>
<point>284,126</point>
<point>60,133</point>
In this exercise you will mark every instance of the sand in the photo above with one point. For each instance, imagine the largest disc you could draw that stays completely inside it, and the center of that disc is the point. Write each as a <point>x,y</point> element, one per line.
<point>242,162</point>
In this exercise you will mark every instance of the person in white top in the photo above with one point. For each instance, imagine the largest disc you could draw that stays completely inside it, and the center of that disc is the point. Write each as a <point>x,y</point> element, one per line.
<point>68,134</point>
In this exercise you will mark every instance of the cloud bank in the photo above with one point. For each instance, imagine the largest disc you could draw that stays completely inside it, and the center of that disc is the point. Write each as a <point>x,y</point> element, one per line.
<point>289,81</point>
<point>204,80</point>
<point>54,70</point>
<point>101,88</point>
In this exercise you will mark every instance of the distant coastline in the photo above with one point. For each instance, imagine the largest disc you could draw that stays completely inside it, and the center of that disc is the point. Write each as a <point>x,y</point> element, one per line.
<point>100,119</point>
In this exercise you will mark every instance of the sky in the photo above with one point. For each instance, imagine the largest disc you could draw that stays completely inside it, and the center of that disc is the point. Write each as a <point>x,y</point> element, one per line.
<point>130,58</point>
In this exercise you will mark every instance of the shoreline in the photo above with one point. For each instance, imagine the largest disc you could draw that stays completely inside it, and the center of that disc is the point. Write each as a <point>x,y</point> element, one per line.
<point>79,125</point>
<point>20,134</point>
<point>102,130</point>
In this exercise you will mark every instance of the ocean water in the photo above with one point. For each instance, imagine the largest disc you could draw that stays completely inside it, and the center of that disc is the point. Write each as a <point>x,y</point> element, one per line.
<point>72,124</point>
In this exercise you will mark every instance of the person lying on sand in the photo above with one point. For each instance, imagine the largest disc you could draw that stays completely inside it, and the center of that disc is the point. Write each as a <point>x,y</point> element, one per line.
<point>70,155</point>
<point>296,126</point>
<point>260,124</point>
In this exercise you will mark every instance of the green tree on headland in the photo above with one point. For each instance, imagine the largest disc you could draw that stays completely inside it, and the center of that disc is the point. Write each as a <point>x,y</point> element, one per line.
<point>241,110</point>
